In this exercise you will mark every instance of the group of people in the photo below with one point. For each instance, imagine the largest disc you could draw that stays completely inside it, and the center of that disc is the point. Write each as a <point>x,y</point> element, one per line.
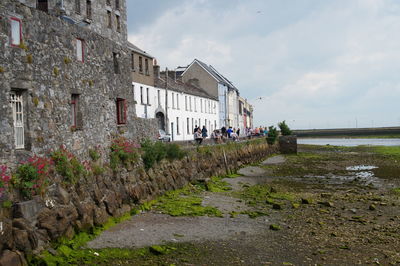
<point>257,131</point>
<point>218,135</point>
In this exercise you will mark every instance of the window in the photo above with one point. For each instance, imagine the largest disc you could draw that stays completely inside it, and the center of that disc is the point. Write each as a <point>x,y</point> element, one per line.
<point>117,4</point>
<point>195,104</point>
<point>173,102</point>
<point>121,111</point>
<point>74,110</point>
<point>109,19</point>
<point>43,5</point>
<point>201,105</point>
<point>188,125</point>
<point>141,95</point>
<point>118,23</point>
<point>146,65</point>
<point>78,6</point>
<point>133,61</point>
<point>89,9</point>
<point>192,123</point>
<point>80,55</point>
<point>190,103</point>
<point>16,32</point>
<point>108,2</point>
<point>159,97</point>
<point>140,64</point>
<point>177,126</point>
<point>116,64</point>
<point>186,105</point>
<point>148,96</point>
<point>18,115</point>
<point>177,101</point>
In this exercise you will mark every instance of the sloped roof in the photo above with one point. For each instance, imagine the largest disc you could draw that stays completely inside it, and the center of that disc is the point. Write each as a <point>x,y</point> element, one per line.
<point>138,50</point>
<point>179,86</point>
<point>214,73</point>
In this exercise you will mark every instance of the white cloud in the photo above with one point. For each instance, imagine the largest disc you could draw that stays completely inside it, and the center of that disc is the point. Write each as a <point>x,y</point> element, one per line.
<point>320,63</point>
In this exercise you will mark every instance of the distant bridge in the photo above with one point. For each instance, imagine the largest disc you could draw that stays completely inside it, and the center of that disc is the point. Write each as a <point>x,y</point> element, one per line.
<point>347,132</point>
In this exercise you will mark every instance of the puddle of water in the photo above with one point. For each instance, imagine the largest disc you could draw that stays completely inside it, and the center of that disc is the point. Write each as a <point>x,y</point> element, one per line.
<point>361,167</point>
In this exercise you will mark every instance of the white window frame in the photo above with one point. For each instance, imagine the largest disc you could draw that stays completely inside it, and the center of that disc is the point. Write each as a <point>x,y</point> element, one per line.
<point>80,54</point>
<point>16,31</point>
<point>18,117</point>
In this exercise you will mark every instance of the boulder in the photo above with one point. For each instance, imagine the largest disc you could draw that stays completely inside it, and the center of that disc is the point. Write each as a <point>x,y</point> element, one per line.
<point>28,209</point>
<point>6,236</point>
<point>12,258</point>
<point>57,221</point>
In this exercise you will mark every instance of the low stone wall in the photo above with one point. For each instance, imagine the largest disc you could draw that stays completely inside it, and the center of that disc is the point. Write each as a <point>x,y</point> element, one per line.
<point>28,227</point>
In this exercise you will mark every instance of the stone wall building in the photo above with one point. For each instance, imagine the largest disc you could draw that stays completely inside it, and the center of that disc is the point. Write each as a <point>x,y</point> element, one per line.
<point>63,82</point>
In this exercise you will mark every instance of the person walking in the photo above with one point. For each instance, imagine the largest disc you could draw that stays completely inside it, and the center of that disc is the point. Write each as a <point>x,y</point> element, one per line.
<point>204,132</point>
<point>197,136</point>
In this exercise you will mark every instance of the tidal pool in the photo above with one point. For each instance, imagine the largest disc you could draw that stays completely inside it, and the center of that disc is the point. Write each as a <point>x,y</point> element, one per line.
<point>349,142</point>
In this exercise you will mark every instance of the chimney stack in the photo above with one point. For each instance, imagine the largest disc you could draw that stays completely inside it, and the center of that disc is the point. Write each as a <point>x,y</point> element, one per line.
<point>156,69</point>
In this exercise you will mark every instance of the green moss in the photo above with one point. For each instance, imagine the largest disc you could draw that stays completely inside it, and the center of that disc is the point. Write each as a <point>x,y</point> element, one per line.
<point>23,46</point>
<point>35,101</point>
<point>7,204</point>
<point>29,59</point>
<point>274,227</point>
<point>67,60</point>
<point>56,71</point>
<point>233,175</point>
<point>185,202</point>
<point>388,151</point>
<point>217,185</point>
<point>397,190</point>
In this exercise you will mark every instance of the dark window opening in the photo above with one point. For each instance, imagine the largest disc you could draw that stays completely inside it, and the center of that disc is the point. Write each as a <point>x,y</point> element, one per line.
<point>116,64</point>
<point>109,19</point>
<point>89,9</point>
<point>43,5</point>
<point>146,65</point>
<point>121,111</point>
<point>140,64</point>
<point>108,2</point>
<point>76,114</point>
<point>78,6</point>
<point>133,61</point>
<point>117,4</point>
<point>118,23</point>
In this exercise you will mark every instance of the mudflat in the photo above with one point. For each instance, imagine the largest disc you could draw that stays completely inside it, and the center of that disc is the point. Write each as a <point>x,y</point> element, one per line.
<point>324,206</point>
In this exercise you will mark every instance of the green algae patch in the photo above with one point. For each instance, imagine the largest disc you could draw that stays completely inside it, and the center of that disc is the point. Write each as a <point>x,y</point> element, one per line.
<point>397,191</point>
<point>185,202</point>
<point>390,151</point>
<point>217,185</point>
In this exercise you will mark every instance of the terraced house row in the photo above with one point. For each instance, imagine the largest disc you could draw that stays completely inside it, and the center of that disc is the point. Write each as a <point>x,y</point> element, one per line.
<point>68,75</point>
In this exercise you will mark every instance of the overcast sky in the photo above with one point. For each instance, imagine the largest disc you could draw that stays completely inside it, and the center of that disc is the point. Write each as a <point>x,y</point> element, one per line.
<point>314,63</point>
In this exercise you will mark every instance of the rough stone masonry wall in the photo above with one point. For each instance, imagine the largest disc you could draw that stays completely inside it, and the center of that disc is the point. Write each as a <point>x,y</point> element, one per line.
<point>29,226</point>
<point>46,71</point>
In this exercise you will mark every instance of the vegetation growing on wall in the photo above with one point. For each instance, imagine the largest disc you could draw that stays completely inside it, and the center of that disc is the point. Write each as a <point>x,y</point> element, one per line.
<point>154,152</point>
<point>4,179</point>
<point>68,166</point>
<point>285,130</point>
<point>272,135</point>
<point>123,152</point>
<point>32,177</point>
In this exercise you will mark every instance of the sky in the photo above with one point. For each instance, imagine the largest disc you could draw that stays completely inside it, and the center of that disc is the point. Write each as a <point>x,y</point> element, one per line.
<point>313,63</point>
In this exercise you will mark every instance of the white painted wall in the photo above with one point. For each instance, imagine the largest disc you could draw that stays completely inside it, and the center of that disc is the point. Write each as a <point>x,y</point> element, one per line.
<point>184,112</point>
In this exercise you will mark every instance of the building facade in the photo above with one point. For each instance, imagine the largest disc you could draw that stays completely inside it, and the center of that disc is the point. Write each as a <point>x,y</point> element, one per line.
<point>180,107</point>
<point>214,83</point>
<point>62,83</point>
